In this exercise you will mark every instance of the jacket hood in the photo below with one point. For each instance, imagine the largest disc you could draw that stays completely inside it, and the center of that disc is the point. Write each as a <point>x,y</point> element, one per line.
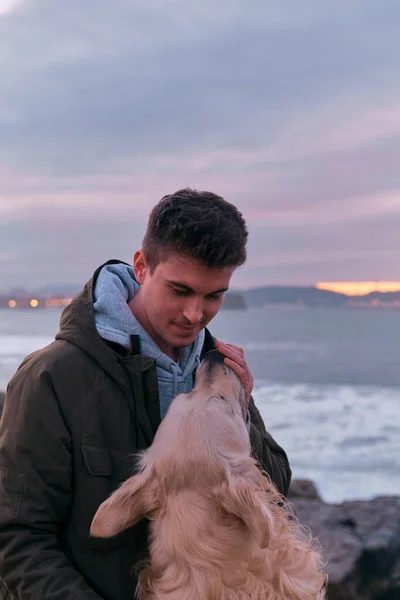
<point>114,288</point>
<point>78,326</point>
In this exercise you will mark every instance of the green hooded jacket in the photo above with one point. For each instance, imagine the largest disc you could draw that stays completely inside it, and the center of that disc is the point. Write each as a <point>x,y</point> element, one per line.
<point>75,414</point>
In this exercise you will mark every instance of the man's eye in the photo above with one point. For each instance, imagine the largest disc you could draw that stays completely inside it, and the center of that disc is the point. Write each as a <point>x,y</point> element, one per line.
<point>215,296</point>
<point>180,292</point>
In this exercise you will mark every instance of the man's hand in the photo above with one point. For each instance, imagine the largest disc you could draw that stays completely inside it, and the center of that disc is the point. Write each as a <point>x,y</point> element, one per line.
<point>236,361</point>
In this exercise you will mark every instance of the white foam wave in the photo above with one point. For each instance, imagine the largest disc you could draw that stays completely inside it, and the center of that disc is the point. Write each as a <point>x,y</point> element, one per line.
<point>345,438</point>
<point>277,346</point>
<point>15,345</point>
<point>13,349</point>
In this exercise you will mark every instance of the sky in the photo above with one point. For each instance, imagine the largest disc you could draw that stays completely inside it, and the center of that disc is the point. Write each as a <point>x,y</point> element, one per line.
<point>288,109</point>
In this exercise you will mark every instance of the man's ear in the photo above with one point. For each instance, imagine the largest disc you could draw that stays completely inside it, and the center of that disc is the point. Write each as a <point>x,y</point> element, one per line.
<point>140,266</point>
<point>136,498</point>
<point>238,498</point>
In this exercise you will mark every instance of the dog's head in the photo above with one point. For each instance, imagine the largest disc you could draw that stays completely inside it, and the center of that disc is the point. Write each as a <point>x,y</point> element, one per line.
<point>215,379</point>
<point>202,438</point>
<point>210,419</point>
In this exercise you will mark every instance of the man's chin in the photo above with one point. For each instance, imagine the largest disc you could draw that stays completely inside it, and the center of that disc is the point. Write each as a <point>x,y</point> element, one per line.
<point>183,338</point>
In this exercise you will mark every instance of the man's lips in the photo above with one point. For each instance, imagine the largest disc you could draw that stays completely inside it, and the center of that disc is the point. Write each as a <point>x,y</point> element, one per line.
<point>185,329</point>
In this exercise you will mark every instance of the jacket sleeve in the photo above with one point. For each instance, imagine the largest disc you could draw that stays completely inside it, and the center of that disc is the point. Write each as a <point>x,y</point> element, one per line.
<point>35,494</point>
<point>271,457</point>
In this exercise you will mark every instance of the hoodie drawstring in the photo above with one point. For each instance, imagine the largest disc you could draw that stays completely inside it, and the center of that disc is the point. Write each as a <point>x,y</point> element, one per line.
<point>174,371</point>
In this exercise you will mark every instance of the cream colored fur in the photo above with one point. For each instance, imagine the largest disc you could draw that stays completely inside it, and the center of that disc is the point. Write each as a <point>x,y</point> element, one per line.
<point>219,530</point>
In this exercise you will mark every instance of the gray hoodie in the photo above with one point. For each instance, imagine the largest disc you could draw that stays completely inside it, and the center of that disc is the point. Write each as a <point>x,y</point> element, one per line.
<point>115,287</point>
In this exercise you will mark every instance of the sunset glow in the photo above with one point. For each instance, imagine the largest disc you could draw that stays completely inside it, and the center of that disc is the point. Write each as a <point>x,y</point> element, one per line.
<point>94,122</point>
<point>359,288</point>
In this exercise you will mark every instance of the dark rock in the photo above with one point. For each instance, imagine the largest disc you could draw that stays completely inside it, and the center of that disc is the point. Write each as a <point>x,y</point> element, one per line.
<point>360,541</point>
<point>303,488</point>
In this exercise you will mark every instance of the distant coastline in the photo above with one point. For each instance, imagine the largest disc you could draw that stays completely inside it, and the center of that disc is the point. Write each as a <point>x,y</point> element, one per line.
<point>312,296</point>
<point>279,296</point>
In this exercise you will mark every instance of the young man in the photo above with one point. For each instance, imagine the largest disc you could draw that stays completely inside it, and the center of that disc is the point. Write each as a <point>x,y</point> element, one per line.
<point>77,411</point>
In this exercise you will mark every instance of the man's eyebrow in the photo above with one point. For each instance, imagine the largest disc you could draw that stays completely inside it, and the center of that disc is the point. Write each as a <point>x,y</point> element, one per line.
<point>186,288</point>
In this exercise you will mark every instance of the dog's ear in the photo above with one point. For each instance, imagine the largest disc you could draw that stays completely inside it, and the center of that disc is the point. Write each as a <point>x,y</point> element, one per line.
<point>129,504</point>
<point>240,499</point>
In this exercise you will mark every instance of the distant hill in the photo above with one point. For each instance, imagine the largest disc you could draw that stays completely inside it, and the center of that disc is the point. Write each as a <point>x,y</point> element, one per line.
<point>382,296</point>
<point>312,296</point>
<point>293,295</point>
<point>234,301</point>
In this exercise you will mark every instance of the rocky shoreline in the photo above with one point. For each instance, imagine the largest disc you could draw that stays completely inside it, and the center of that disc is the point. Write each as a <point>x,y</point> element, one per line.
<point>360,541</point>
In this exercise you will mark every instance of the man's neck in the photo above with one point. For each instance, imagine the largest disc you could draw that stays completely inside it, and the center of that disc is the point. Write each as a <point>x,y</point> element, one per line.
<point>138,311</point>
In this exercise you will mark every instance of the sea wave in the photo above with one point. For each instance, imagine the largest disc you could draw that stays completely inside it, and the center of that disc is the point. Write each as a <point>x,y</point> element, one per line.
<point>17,345</point>
<point>346,438</point>
<point>13,349</point>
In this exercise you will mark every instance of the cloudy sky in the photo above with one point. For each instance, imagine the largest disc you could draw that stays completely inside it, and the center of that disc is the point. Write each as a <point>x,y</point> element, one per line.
<point>288,108</point>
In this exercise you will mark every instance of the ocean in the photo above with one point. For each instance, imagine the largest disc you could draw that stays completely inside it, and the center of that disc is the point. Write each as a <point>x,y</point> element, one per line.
<point>327,383</point>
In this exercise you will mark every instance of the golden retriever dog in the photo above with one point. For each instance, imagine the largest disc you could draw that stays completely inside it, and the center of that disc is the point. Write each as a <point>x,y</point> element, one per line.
<point>219,529</point>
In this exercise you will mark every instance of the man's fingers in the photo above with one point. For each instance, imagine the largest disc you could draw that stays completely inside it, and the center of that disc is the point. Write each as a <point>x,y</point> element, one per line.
<point>230,350</point>
<point>240,371</point>
<point>236,349</point>
<point>234,358</point>
<point>243,374</point>
<point>232,347</point>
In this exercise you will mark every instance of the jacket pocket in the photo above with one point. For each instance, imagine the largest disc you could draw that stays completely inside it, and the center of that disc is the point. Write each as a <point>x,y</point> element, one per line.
<point>104,471</point>
<point>104,462</point>
<point>11,490</point>
<point>98,473</point>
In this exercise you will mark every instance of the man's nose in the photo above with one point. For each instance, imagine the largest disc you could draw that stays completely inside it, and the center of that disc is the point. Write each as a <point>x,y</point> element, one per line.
<point>193,311</point>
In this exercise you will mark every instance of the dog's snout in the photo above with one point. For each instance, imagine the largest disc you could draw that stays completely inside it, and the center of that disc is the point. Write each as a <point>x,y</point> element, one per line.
<point>213,357</point>
<point>211,365</point>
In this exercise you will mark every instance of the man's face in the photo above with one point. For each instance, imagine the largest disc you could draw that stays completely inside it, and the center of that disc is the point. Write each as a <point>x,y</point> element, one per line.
<point>179,298</point>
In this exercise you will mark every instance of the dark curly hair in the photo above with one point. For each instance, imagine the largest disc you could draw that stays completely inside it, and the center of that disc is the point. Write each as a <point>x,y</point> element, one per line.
<point>199,224</point>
